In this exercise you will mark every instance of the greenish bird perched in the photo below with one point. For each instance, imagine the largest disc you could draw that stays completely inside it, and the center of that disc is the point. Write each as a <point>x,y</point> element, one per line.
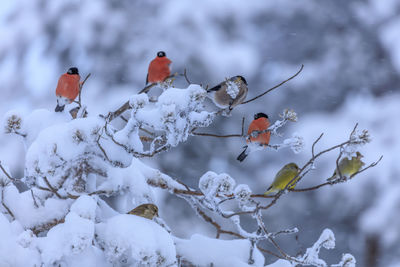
<point>283,177</point>
<point>145,210</point>
<point>348,167</point>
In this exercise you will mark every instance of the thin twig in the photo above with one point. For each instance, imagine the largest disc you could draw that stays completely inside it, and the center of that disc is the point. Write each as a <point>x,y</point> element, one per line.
<point>80,89</point>
<point>186,77</point>
<point>52,189</point>
<point>5,206</point>
<point>216,135</point>
<point>34,200</point>
<point>8,210</point>
<point>276,86</point>
<point>7,174</point>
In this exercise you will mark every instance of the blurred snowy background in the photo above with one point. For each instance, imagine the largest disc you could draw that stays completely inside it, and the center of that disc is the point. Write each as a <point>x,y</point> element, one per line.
<point>351,54</point>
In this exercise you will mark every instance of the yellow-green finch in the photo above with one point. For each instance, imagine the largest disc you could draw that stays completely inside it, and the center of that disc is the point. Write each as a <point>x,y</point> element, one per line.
<point>145,210</point>
<point>283,177</point>
<point>348,167</point>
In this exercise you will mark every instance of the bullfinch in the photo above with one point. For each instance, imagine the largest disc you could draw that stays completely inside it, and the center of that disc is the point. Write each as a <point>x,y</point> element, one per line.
<point>67,88</point>
<point>348,167</point>
<point>283,177</point>
<point>159,69</point>
<point>145,210</point>
<point>260,123</point>
<point>229,93</point>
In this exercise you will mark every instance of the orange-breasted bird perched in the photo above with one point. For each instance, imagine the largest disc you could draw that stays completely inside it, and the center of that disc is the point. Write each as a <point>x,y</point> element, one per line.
<point>67,88</point>
<point>229,93</point>
<point>260,123</point>
<point>159,68</point>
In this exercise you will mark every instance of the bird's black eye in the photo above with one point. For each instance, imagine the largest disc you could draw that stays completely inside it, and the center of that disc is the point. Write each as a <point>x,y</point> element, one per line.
<point>161,54</point>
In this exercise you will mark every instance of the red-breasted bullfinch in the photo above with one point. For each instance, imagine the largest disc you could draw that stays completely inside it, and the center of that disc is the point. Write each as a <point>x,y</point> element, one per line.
<point>159,69</point>
<point>260,123</point>
<point>229,93</point>
<point>67,88</point>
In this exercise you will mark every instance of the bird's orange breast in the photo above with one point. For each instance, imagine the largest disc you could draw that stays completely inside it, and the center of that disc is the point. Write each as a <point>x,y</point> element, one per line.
<point>260,125</point>
<point>159,70</point>
<point>68,86</point>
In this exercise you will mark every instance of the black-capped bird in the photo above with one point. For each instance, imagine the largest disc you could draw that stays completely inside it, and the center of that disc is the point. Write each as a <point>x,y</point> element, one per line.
<point>255,133</point>
<point>229,93</point>
<point>67,88</point>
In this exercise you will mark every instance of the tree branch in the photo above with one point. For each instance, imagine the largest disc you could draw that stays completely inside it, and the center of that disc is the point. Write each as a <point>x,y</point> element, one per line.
<point>276,86</point>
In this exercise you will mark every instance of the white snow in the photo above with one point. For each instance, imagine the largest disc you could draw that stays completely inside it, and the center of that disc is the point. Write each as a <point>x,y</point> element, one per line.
<point>204,251</point>
<point>134,240</point>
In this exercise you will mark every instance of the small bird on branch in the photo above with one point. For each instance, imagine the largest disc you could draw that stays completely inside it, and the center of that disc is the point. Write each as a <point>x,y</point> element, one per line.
<point>67,88</point>
<point>229,93</point>
<point>145,210</point>
<point>283,177</point>
<point>257,133</point>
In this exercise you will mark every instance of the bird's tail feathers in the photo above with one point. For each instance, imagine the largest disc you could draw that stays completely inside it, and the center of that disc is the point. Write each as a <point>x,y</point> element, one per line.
<point>243,155</point>
<point>269,191</point>
<point>59,108</point>
<point>215,88</point>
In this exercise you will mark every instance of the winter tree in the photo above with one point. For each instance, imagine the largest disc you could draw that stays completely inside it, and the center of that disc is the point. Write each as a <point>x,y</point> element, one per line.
<point>84,172</point>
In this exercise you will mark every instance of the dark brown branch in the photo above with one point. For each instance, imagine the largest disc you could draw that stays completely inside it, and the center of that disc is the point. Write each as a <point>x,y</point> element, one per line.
<point>8,210</point>
<point>34,200</point>
<point>7,174</point>
<point>47,226</point>
<point>218,136</point>
<point>52,189</point>
<point>313,145</point>
<point>276,86</point>
<point>5,206</point>
<point>186,77</point>
<point>122,109</point>
<point>221,136</point>
<point>147,88</point>
<point>373,164</point>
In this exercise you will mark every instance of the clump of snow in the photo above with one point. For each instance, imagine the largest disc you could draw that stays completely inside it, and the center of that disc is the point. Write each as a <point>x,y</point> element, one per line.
<point>204,251</point>
<point>73,237</point>
<point>225,184</point>
<point>242,193</point>
<point>326,240</point>
<point>10,245</point>
<point>134,240</point>
<point>12,121</point>
<point>206,182</point>
<point>357,139</point>
<point>296,143</point>
<point>232,89</point>
<point>138,101</point>
<point>348,260</point>
<point>85,207</point>
<point>212,184</point>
